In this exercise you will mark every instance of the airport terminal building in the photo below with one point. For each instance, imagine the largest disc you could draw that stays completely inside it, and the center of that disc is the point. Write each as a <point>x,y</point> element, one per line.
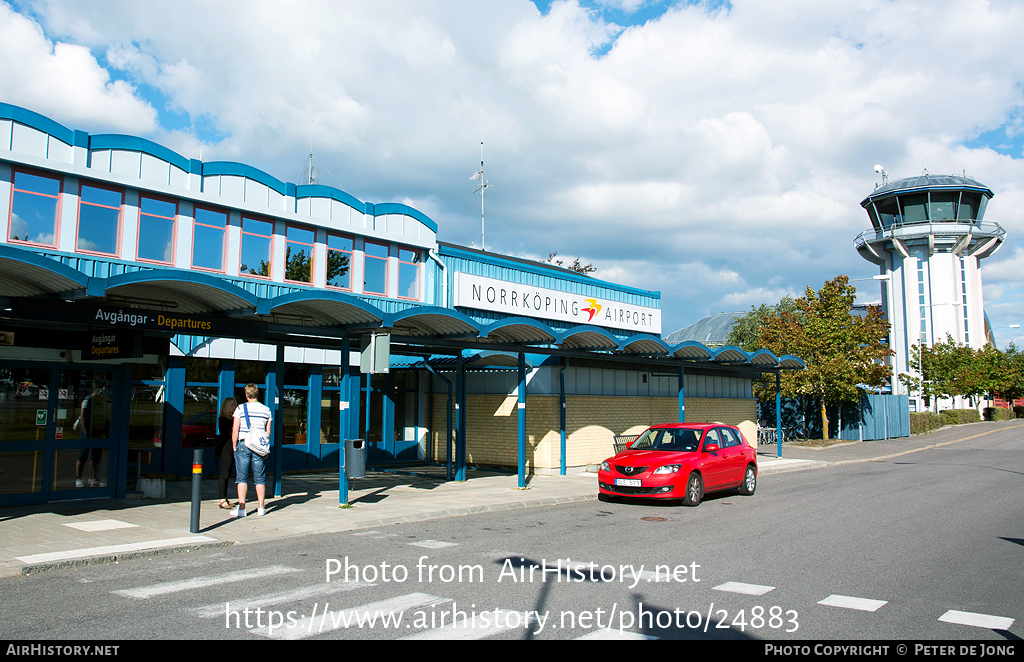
<point>140,288</point>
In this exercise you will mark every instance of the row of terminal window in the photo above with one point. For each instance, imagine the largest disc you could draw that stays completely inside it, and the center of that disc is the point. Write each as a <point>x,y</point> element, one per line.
<point>34,220</point>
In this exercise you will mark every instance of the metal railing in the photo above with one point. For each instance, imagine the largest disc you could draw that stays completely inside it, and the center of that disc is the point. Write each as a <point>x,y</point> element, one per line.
<point>981,230</point>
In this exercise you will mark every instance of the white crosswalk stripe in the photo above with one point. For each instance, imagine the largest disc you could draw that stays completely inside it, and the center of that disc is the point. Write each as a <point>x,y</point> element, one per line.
<point>164,588</point>
<point>478,626</point>
<point>369,616</point>
<point>847,602</point>
<point>746,589</point>
<point>433,544</point>
<point>303,594</point>
<point>977,620</point>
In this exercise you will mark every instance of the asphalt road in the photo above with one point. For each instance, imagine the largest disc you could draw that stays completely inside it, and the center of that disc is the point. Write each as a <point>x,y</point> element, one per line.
<point>891,548</point>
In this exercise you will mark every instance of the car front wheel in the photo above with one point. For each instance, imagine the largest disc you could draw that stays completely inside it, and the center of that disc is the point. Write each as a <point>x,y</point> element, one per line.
<point>749,483</point>
<point>694,490</point>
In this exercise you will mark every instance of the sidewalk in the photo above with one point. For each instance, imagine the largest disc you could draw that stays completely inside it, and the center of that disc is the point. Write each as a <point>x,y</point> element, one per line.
<point>36,538</point>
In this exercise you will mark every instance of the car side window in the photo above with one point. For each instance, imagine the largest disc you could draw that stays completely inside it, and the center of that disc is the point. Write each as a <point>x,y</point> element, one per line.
<point>712,437</point>
<point>729,438</point>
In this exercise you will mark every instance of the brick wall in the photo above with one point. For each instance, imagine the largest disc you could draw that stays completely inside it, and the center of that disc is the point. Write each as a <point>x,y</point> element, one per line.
<point>591,422</point>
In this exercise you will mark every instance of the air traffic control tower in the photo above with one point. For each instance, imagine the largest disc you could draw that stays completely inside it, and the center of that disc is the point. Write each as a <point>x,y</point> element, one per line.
<point>928,237</point>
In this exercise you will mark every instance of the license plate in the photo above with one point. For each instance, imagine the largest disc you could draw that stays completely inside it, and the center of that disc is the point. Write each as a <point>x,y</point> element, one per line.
<point>628,482</point>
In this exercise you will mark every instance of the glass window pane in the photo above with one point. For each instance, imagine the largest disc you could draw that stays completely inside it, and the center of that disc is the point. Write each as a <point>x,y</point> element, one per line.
<point>968,208</point>
<point>156,238</point>
<point>199,370</point>
<point>34,218</point>
<point>338,242</point>
<point>301,234</point>
<point>98,228</point>
<point>19,400</point>
<point>375,275</point>
<point>409,280</point>
<point>87,464</point>
<point>250,372</point>
<point>408,255</point>
<point>22,473</point>
<point>208,248</point>
<point>257,227</point>
<point>330,418</point>
<point>294,413</point>
<point>915,208</point>
<point>44,185</point>
<point>101,196</point>
<point>298,263</point>
<point>376,250</point>
<point>159,207</point>
<point>255,255</point>
<point>338,269</point>
<point>942,206</point>
<point>209,217</point>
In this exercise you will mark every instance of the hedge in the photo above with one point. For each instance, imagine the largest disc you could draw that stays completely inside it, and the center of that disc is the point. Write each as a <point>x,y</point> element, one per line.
<point>959,416</point>
<point>924,421</point>
<point>998,414</point>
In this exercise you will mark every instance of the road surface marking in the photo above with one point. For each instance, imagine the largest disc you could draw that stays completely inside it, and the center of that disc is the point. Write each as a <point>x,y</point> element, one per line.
<point>50,557</point>
<point>101,525</point>
<point>746,589</point>
<point>433,544</point>
<point>163,588</point>
<point>284,597</point>
<point>329,620</point>
<point>472,627</point>
<point>845,601</point>
<point>978,620</point>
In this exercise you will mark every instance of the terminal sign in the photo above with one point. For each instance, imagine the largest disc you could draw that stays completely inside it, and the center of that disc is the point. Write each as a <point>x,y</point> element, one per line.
<point>504,297</point>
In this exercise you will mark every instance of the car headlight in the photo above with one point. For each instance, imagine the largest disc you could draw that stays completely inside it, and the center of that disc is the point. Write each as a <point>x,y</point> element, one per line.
<point>668,469</point>
<point>605,466</point>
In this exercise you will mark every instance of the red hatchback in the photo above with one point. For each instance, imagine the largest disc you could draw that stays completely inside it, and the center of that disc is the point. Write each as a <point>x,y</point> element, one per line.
<point>681,461</point>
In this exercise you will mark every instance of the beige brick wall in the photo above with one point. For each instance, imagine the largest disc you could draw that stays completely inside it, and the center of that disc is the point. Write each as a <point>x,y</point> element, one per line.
<point>591,422</point>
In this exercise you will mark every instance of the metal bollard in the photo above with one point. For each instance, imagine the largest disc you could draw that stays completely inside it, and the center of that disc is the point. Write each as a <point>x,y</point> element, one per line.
<point>197,488</point>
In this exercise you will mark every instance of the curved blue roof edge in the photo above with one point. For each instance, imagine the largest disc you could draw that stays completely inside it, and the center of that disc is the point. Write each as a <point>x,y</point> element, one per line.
<point>136,144</point>
<point>762,352</point>
<point>583,328</point>
<point>540,270</point>
<point>322,191</point>
<point>399,208</point>
<point>431,310</point>
<point>37,121</point>
<point>628,340</point>
<point>27,256</point>
<point>876,195</point>
<point>214,168</point>
<point>265,306</point>
<point>525,321</point>
<point>692,343</point>
<point>182,277</point>
<point>791,358</point>
<point>730,348</point>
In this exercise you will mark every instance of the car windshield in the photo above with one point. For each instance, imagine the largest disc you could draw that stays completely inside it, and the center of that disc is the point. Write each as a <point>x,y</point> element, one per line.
<point>672,439</point>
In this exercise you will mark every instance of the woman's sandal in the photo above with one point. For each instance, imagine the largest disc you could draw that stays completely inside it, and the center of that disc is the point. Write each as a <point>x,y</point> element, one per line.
<point>226,505</point>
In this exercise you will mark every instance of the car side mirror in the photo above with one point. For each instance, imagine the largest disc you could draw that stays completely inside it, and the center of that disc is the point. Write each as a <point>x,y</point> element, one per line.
<point>710,448</point>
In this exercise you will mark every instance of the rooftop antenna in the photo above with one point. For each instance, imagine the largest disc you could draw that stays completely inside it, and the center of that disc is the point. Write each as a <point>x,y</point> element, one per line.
<point>484,185</point>
<point>310,173</point>
<point>881,170</point>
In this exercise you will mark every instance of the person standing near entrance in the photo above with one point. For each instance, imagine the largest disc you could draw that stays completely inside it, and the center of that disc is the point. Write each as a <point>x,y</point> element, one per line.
<point>92,423</point>
<point>225,449</point>
<point>257,415</point>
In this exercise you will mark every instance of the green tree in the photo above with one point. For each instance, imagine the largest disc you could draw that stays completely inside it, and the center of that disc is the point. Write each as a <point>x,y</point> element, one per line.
<point>576,265</point>
<point>843,352</point>
<point>746,332</point>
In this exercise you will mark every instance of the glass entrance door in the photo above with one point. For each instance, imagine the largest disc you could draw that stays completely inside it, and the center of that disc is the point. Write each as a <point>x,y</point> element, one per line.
<point>55,433</point>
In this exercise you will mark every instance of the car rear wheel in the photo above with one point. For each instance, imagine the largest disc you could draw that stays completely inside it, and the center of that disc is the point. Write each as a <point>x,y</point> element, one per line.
<point>749,483</point>
<point>694,490</point>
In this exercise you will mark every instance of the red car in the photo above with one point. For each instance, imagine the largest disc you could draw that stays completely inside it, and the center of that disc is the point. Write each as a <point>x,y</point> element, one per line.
<point>681,461</point>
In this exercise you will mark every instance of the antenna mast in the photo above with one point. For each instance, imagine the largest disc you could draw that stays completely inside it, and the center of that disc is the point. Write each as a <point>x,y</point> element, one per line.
<point>484,185</point>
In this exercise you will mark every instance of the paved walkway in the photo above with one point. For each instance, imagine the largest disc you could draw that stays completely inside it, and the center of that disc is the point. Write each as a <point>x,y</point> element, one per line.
<point>35,538</point>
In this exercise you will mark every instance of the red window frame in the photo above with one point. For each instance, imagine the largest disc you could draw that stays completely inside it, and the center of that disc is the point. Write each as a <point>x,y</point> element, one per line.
<point>312,252</point>
<point>174,228</point>
<point>224,237</point>
<point>120,217</point>
<point>419,275</point>
<point>270,247</point>
<point>351,260</point>
<point>387,266</point>
<point>57,212</point>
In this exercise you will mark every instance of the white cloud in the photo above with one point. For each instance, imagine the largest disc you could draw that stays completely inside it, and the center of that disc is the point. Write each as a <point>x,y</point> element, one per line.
<point>64,82</point>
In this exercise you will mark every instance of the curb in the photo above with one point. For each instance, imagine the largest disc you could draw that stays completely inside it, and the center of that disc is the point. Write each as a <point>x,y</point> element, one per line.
<point>103,559</point>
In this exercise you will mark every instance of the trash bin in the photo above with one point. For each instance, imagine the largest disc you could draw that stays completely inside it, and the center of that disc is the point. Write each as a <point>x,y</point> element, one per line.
<point>355,458</point>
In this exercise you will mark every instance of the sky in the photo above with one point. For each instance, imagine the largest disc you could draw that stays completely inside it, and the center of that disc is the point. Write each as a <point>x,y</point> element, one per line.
<point>716,152</point>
